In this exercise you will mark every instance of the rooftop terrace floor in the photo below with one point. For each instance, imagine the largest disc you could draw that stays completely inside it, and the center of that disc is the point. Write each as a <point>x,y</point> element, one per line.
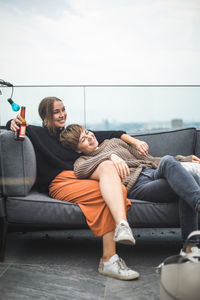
<point>61,265</point>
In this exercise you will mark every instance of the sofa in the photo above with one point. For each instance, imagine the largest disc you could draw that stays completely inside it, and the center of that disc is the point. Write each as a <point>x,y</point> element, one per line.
<point>22,208</point>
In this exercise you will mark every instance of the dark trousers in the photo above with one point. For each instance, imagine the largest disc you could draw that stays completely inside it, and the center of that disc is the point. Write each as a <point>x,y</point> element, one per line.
<point>168,183</point>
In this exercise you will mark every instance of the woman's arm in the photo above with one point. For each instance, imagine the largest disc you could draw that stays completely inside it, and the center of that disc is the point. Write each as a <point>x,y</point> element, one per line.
<point>107,135</point>
<point>85,165</point>
<point>141,146</point>
<point>189,158</point>
<point>195,159</point>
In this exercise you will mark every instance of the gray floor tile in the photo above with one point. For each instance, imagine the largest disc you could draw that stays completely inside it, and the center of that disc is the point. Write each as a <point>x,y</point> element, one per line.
<point>3,269</point>
<point>50,282</point>
<point>63,265</point>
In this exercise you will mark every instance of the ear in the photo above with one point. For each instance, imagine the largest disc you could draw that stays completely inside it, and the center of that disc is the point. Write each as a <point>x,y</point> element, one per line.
<point>78,151</point>
<point>45,122</point>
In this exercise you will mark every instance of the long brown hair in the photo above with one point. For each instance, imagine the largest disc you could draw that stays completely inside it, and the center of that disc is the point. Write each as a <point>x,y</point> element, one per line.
<point>45,110</point>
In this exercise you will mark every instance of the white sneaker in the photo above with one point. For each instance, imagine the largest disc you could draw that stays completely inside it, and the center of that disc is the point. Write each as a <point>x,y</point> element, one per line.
<point>117,268</point>
<point>123,234</point>
<point>194,250</point>
<point>187,247</point>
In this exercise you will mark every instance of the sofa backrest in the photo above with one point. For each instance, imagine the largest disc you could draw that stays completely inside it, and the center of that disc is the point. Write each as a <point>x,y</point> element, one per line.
<point>172,142</point>
<point>17,165</point>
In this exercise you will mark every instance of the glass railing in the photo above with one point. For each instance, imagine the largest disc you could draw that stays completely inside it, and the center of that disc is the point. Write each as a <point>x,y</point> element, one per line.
<point>130,108</point>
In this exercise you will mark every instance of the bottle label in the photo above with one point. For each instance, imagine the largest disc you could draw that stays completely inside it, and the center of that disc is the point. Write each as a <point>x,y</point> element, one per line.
<point>22,131</point>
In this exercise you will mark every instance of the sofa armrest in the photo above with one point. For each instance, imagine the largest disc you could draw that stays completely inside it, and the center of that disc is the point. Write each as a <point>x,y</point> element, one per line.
<point>2,207</point>
<point>197,146</point>
<point>17,165</point>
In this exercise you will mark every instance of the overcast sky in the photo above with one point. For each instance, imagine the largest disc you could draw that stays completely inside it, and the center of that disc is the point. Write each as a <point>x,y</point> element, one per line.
<point>100,41</point>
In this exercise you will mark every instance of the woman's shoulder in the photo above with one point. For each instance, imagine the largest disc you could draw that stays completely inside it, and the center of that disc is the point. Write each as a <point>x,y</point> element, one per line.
<point>116,141</point>
<point>34,131</point>
<point>112,143</point>
<point>36,128</point>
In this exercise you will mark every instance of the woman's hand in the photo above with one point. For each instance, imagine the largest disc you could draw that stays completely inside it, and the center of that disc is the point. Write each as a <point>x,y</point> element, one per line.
<point>120,165</point>
<point>14,125</point>
<point>142,147</point>
<point>195,159</point>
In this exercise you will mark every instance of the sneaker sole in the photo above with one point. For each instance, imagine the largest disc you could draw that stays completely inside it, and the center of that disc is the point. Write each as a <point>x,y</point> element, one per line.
<point>125,240</point>
<point>121,277</point>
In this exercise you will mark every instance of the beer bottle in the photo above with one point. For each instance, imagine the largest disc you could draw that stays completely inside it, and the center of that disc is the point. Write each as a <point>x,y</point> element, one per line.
<point>20,133</point>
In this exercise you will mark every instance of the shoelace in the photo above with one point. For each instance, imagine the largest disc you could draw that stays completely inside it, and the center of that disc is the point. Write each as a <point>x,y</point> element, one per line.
<point>122,264</point>
<point>121,226</point>
<point>195,250</point>
<point>118,229</point>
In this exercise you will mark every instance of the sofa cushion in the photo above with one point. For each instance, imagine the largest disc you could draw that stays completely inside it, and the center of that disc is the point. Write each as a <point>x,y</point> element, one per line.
<point>145,214</point>
<point>40,210</point>
<point>2,207</point>
<point>18,165</point>
<point>37,209</point>
<point>172,142</point>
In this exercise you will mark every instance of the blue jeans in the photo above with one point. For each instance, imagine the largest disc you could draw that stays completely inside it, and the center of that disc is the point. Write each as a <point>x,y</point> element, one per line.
<point>168,183</point>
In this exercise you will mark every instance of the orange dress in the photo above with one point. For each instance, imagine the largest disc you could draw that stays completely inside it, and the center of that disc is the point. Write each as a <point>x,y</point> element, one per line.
<point>86,193</point>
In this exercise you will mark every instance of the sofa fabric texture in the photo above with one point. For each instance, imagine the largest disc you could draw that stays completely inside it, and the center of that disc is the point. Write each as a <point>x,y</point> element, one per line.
<point>173,142</point>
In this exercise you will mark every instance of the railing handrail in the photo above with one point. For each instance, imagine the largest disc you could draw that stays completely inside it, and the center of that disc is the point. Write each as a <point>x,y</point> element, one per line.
<point>104,85</point>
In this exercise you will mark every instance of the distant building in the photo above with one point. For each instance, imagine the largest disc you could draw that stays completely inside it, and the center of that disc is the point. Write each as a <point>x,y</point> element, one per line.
<point>176,123</point>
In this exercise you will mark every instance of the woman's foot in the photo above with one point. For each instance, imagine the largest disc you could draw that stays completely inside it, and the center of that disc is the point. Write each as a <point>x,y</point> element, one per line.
<point>192,243</point>
<point>123,234</point>
<point>117,268</point>
<point>191,248</point>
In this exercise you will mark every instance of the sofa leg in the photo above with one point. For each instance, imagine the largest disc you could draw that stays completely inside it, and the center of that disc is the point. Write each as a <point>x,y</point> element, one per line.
<point>3,234</point>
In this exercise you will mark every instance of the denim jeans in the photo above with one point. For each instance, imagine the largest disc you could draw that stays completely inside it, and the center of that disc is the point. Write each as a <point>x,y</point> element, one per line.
<point>171,182</point>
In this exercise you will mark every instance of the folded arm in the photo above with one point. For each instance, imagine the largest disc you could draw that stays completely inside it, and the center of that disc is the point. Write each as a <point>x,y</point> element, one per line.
<point>141,146</point>
<point>84,166</point>
<point>189,158</point>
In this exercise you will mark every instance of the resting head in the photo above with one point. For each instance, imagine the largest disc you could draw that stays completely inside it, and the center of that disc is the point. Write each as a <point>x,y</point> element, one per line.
<point>76,137</point>
<point>53,114</point>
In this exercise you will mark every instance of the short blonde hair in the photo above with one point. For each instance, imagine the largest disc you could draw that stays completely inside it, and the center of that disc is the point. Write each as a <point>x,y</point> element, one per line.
<point>69,137</point>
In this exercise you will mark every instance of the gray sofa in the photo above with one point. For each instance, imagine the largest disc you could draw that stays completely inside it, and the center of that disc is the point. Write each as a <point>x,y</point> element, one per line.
<point>22,208</point>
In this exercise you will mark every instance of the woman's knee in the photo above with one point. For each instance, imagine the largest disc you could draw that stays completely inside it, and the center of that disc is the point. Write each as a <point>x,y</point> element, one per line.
<point>168,160</point>
<point>196,177</point>
<point>106,166</point>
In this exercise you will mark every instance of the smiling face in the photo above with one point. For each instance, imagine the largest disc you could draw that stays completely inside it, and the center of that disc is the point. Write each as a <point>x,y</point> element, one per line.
<point>59,114</point>
<point>87,142</point>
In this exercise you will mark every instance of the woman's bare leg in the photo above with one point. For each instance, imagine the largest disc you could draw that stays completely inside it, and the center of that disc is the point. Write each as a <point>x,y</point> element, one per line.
<point>109,246</point>
<point>111,264</point>
<point>111,189</point>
